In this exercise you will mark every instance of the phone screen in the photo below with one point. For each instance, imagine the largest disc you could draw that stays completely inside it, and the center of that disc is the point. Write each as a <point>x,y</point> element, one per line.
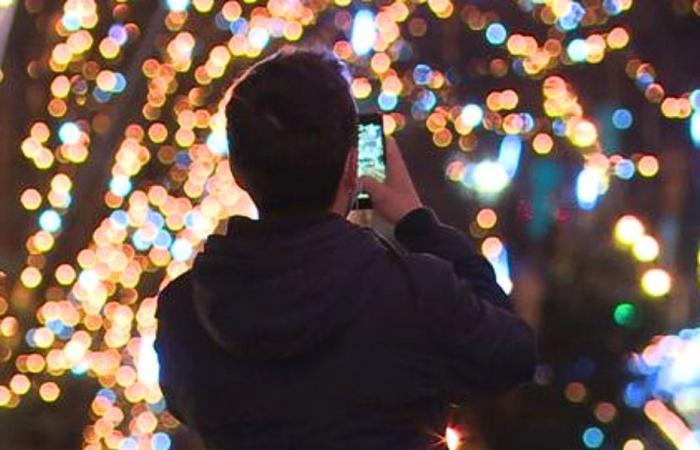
<point>371,157</point>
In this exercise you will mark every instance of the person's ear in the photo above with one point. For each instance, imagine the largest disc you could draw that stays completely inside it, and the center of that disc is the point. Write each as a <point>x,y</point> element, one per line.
<point>239,177</point>
<point>350,175</point>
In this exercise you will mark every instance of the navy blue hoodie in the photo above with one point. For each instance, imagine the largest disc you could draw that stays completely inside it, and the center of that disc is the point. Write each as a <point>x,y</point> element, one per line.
<point>313,334</point>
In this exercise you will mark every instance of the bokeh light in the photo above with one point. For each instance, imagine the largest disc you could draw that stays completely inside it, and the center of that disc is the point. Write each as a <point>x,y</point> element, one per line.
<point>629,229</point>
<point>154,225</point>
<point>656,283</point>
<point>646,249</point>
<point>633,444</point>
<point>622,119</point>
<point>453,438</point>
<point>626,315</point>
<point>593,437</point>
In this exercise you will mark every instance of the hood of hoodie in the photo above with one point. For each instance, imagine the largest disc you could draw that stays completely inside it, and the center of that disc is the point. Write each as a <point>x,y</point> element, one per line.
<point>280,288</point>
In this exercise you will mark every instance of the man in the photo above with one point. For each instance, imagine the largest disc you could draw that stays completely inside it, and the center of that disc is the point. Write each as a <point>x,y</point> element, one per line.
<point>301,330</point>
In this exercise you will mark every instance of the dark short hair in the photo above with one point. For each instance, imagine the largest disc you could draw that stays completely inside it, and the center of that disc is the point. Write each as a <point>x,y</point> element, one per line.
<point>291,124</point>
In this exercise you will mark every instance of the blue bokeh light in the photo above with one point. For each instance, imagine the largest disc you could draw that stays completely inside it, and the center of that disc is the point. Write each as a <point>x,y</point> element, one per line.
<point>421,74</point>
<point>612,7</point>
<point>29,337</point>
<point>509,154</point>
<point>101,96</point>
<point>364,32</point>
<point>71,20</point>
<point>622,119</point>
<point>50,221</point>
<point>559,127</point>
<point>119,218</point>
<point>496,33</point>
<point>140,241</point>
<point>181,250</point>
<point>221,22</point>
<point>239,26</point>
<point>501,267</point>
<point>593,437</point>
<point>625,169</point>
<point>159,406</point>
<point>80,369</point>
<point>695,99</point>
<point>472,115</point>
<point>160,441</point>
<point>69,133</point>
<point>588,189</point>
<point>258,37</point>
<point>118,33</point>
<point>218,143</point>
<point>177,5</point>
<point>120,185</point>
<point>129,444</point>
<point>572,20</point>
<point>182,158</point>
<point>155,218</point>
<point>695,128</point>
<point>644,80</point>
<point>61,330</point>
<point>577,50</point>
<point>120,83</point>
<point>108,394</point>
<point>387,102</point>
<point>163,240</point>
<point>528,122</point>
<point>634,395</point>
<point>426,101</point>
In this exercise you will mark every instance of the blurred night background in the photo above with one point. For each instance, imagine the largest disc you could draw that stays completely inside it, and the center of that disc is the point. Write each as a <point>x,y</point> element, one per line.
<point>563,135</point>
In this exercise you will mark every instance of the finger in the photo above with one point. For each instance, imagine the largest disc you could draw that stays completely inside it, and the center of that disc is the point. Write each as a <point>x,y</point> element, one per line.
<point>395,166</point>
<point>372,186</point>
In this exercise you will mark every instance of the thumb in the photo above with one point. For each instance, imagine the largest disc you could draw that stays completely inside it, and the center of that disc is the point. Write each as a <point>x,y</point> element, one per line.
<point>374,187</point>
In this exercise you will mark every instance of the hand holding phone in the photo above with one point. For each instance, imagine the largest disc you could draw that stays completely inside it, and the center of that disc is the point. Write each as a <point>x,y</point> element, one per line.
<point>394,196</point>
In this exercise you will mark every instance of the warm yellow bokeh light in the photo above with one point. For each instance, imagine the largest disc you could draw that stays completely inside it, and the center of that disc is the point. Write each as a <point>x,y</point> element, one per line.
<point>9,326</point>
<point>30,199</point>
<point>628,230</point>
<point>491,247</point>
<point>30,277</point>
<point>20,384</point>
<point>49,392</point>
<point>648,166</point>
<point>65,274</point>
<point>542,144</point>
<point>646,249</point>
<point>656,283</point>
<point>5,395</point>
<point>486,218</point>
<point>92,317</point>
<point>633,444</point>
<point>582,133</point>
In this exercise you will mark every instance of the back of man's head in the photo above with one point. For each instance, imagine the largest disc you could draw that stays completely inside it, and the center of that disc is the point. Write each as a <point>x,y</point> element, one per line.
<point>291,124</point>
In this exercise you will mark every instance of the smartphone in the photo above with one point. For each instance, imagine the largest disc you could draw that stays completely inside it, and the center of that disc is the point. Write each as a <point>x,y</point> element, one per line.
<point>371,158</point>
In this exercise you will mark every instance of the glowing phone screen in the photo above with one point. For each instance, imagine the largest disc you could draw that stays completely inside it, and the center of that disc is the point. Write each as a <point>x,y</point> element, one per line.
<point>371,153</point>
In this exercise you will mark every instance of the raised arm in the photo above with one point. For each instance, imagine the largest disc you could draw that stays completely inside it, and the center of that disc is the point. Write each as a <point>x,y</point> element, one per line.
<point>485,344</point>
<point>421,231</point>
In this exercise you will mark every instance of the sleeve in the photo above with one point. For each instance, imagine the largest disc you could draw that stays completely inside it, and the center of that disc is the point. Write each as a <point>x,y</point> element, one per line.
<point>421,231</point>
<point>485,344</point>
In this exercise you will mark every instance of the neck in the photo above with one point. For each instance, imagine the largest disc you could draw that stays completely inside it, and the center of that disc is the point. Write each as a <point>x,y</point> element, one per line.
<point>294,215</point>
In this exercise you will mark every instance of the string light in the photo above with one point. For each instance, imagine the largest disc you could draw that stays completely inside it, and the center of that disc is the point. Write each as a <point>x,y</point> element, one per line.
<point>153,228</point>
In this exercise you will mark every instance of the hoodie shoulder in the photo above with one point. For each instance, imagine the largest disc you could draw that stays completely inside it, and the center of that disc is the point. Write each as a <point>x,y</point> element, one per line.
<point>429,269</point>
<point>436,281</point>
<point>175,297</point>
